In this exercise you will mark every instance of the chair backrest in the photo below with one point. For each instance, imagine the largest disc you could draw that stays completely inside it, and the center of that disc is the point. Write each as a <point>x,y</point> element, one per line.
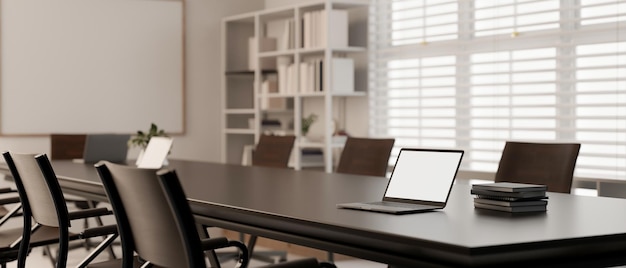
<point>273,151</point>
<point>41,197</point>
<point>67,146</point>
<point>365,156</point>
<point>34,174</point>
<point>551,164</point>
<point>139,204</point>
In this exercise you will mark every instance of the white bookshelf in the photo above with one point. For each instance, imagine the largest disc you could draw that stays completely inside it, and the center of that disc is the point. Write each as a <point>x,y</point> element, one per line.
<point>306,82</point>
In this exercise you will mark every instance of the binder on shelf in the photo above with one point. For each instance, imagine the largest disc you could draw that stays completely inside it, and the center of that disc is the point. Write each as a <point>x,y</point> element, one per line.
<point>342,75</point>
<point>338,20</point>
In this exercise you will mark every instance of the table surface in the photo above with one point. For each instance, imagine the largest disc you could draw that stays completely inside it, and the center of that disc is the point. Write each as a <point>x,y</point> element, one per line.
<point>300,207</point>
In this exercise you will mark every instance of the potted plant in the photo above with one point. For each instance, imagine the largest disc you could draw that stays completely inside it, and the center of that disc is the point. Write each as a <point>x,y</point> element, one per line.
<point>141,139</point>
<point>307,122</point>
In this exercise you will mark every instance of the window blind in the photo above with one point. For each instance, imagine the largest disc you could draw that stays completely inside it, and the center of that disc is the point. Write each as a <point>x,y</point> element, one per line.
<point>504,70</point>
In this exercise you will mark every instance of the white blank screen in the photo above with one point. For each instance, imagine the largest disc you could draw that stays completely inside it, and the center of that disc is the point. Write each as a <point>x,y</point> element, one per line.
<point>423,175</point>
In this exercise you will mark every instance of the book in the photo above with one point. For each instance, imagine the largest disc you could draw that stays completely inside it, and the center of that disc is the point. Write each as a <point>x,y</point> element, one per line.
<point>510,187</point>
<point>488,193</point>
<point>511,209</point>
<point>513,203</point>
<point>510,199</point>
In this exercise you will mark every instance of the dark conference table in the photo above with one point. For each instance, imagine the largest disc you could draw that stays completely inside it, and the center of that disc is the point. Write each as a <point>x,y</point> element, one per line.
<point>299,207</point>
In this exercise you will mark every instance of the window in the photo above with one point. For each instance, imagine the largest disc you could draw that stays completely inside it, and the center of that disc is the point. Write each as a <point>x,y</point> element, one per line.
<point>502,70</point>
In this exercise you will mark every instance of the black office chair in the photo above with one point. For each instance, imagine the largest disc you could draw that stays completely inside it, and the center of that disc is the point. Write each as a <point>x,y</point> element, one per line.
<point>68,147</point>
<point>163,233</point>
<point>551,164</point>
<point>365,156</point>
<point>43,202</point>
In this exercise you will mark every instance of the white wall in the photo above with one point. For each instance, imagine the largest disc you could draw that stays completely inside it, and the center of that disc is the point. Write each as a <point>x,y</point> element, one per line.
<point>277,3</point>
<point>202,139</point>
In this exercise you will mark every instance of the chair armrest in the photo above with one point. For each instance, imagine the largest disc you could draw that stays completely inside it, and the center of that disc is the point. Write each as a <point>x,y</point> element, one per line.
<point>7,190</point>
<point>9,200</point>
<point>221,242</point>
<point>303,263</point>
<point>99,231</point>
<point>214,243</point>
<point>92,212</point>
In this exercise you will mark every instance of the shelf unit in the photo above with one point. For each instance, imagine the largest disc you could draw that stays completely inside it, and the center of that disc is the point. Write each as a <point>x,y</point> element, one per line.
<point>248,62</point>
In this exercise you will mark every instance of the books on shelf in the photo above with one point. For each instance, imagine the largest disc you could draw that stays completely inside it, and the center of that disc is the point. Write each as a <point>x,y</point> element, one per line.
<point>315,26</point>
<point>510,197</point>
<point>311,76</point>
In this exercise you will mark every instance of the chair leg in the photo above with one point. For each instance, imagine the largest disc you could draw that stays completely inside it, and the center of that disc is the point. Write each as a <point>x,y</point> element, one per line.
<point>106,243</point>
<point>99,222</point>
<point>47,251</point>
<point>330,257</point>
<point>266,256</point>
<point>204,233</point>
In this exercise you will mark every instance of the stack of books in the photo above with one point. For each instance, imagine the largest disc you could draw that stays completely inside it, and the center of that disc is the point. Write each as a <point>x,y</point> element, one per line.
<point>510,197</point>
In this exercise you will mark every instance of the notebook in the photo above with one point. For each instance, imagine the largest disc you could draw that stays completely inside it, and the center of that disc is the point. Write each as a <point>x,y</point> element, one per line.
<point>109,147</point>
<point>421,181</point>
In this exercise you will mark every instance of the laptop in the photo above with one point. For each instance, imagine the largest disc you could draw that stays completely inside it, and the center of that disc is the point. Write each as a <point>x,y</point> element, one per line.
<point>421,181</point>
<point>156,153</point>
<point>109,147</point>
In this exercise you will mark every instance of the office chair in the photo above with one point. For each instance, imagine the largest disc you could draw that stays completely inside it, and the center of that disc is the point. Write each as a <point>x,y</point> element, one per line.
<point>273,151</point>
<point>163,234</point>
<point>68,147</point>
<point>270,151</point>
<point>551,164</point>
<point>44,205</point>
<point>365,156</point>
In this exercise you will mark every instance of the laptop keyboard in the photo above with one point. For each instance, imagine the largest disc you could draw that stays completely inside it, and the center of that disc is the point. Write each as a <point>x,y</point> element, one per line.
<point>397,204</point>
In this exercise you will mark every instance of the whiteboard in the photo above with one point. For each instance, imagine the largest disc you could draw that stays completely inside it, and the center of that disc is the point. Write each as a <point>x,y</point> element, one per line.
<point>91,66</point>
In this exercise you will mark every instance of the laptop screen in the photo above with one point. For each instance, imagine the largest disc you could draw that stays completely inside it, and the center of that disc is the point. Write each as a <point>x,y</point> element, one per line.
<point>110,147</point>
<point>424,175</point>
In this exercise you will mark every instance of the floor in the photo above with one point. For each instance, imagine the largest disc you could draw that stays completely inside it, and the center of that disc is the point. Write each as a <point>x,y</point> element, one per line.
<point>37,259</point>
